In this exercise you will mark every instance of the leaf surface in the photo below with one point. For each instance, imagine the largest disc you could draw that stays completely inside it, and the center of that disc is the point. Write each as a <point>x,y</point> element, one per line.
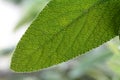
<point>64,30</point>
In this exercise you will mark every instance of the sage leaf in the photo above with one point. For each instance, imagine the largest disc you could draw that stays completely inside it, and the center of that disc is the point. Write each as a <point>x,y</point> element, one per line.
<point>64,30</point>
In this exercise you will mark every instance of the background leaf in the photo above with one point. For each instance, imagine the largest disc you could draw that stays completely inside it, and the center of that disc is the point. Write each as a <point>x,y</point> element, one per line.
<point>32,9</point>
<point>64,30</point>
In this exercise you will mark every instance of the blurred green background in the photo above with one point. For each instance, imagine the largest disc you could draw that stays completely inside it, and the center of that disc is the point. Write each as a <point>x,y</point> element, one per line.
<point>102,63</point>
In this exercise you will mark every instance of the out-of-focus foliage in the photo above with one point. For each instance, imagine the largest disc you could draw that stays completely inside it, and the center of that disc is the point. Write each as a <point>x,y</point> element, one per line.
<point>32,9</point>
<point>6,51</point>
<point>16,1</point>
<point>114,63</point>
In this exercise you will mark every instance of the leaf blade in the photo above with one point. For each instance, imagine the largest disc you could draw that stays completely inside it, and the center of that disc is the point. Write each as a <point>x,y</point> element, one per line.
<point>62,32</point>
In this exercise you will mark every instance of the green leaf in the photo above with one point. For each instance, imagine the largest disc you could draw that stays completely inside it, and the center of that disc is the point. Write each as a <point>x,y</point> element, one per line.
<point>63,30</point>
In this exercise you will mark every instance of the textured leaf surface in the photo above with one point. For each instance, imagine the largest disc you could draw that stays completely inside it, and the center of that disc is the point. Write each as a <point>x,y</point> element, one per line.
<point>64,30</point>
